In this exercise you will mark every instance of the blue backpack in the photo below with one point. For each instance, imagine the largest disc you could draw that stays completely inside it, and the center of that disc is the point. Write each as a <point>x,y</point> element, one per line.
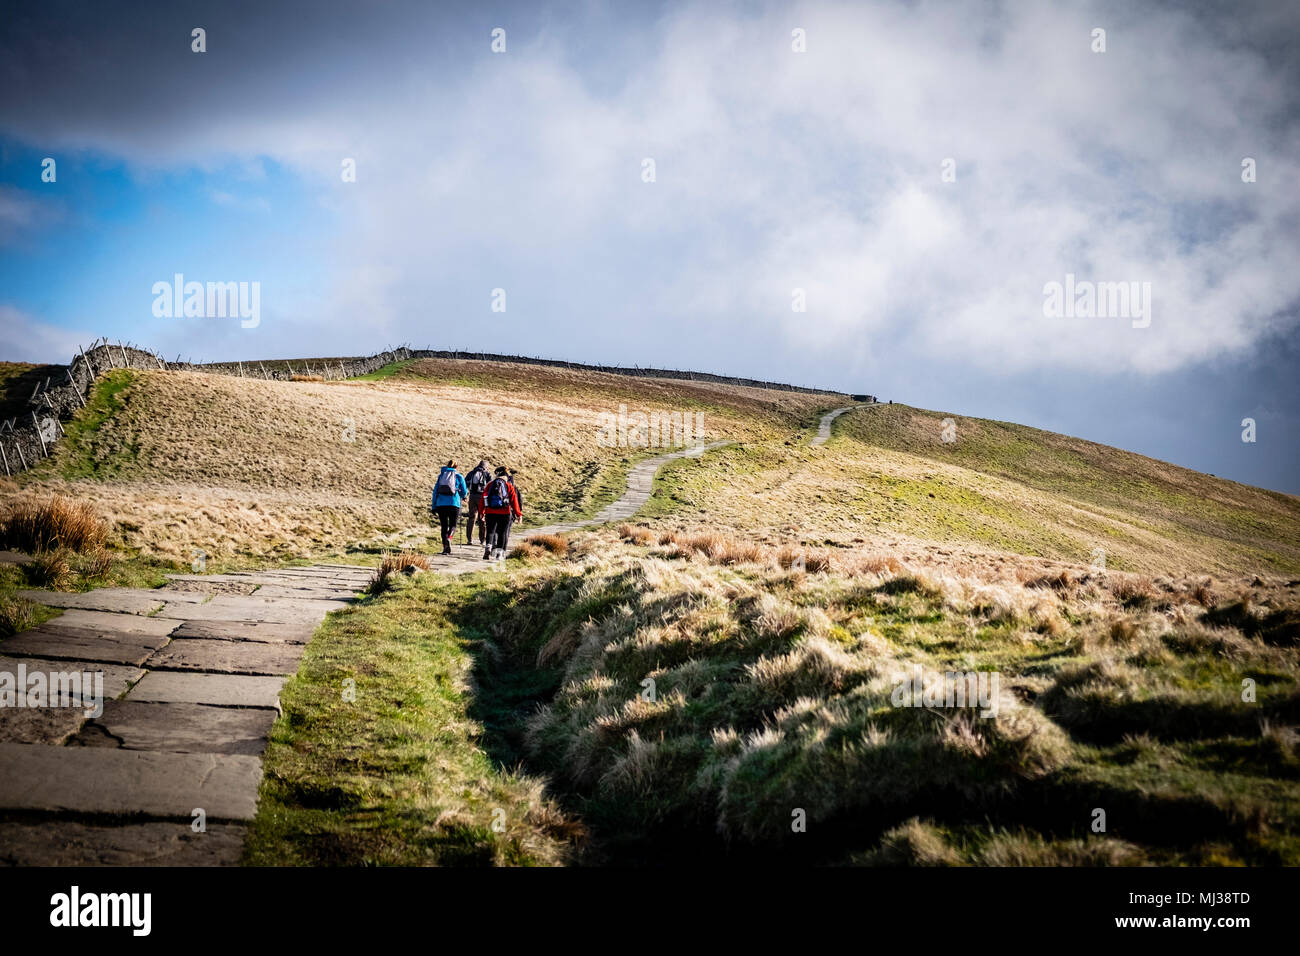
<point>498,494</point>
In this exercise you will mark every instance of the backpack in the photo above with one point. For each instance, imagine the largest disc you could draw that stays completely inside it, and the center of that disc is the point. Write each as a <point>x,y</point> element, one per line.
<point>446,484</point>
<point>478,479</point>
<point>498,495</point>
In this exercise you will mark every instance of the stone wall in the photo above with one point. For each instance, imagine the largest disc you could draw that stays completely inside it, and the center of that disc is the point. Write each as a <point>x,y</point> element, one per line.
<point>623,370</point>
<point>29,436</point>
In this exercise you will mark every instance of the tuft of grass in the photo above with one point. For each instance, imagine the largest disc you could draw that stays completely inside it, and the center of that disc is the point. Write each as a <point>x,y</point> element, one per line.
<point>16,614</point>
<point>718,548</point>
<point>55,522</point>
<point>96,564</point>
<point>554,543</point>
<point>404,562</point>
<point>48,569</point>
<point>526,551</point>
<point>1134,590</point>
<point>640,535</point>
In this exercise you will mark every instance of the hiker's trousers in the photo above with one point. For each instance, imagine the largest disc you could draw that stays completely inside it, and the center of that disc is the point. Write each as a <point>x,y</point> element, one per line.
<point>498,532</point>
<point>475,515</point>
<point>448,516</point>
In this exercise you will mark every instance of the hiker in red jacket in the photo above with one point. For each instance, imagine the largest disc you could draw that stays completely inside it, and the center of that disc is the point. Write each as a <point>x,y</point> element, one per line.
<point>500,504</point>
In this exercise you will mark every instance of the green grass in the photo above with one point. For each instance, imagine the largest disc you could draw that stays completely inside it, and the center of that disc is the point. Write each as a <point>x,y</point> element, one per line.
<point>384,372</point>
<point>82,452</point>
<point>1134,494</point>
<point>397,776</point>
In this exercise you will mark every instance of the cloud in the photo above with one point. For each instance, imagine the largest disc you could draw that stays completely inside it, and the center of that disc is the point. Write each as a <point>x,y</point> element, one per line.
<point>776,170</point>
<point>27,339</point>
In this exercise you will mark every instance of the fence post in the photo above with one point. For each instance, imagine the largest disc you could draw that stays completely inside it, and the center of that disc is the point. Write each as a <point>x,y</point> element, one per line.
<point>8,473</point>
<point>39,436</point>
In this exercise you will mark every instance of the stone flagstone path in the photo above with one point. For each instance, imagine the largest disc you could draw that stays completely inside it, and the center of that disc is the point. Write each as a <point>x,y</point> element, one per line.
<point>191,680</point>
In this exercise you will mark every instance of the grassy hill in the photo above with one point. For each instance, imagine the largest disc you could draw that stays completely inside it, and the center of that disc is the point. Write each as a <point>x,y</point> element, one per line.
<point>686,686</point>
<point>254,468</point>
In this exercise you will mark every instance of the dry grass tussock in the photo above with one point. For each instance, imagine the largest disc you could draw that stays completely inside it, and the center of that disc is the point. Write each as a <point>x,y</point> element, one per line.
<point>32,525</point>
<point>405,562</point>
<point>16,614</point>
<point>554,543</point>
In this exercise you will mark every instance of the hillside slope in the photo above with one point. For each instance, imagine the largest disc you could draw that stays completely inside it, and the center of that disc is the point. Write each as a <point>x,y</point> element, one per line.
<point>888,480</point>
<point>184,460</point>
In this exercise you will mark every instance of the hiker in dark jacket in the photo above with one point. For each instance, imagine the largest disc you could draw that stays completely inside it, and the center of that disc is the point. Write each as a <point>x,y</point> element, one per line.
<point>501,503</point>
<point>448,492</point>
<point>477,481</point>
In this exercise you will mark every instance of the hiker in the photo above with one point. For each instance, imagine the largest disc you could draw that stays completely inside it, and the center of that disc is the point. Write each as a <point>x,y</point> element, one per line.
<point>502,503</point>
<point>477,481</point>
<point>447,495</point>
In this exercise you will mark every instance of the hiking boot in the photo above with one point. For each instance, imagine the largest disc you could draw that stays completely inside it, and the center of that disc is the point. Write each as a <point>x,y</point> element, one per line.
<point>487,554</point>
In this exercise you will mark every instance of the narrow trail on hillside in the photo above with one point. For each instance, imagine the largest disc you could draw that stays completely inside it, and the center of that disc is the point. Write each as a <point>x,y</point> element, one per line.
<point>824,427</point>
<point>640,484</point>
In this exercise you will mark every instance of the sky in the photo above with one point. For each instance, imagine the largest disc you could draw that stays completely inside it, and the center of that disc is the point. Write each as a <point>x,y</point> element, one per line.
<point>869,196</point>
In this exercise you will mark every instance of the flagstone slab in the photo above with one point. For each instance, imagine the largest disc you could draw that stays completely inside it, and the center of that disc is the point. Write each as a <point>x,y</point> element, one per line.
<point>230,607</point>
<point>178,594</point>
<point>123,623</point>
<point>309,582</point>
<point>265,633</point>
<point>346,595</point>
<point>54,725</point>
<point>40,725</point>
<point>72,843</point>
<point>99,780</point>
<point>121,600</point>
<point>228,657</point>
<point>220,690</point>
<point>209,588</point>
<point>57,642</point>
<point>117,678</point>
<point>178,728</point>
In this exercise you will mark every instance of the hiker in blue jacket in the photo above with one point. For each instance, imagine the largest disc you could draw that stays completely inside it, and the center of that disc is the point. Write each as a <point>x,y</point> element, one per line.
<point>448,492</point>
